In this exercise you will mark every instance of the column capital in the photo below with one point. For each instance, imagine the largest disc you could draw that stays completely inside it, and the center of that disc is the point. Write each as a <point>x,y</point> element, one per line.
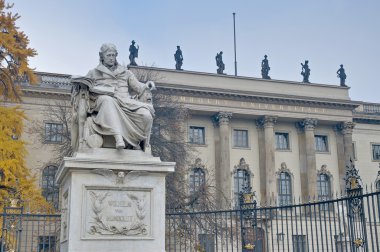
<point>307,124</point>
<point>221,118</point>
<point>266,121</point>
<point>346,127</point>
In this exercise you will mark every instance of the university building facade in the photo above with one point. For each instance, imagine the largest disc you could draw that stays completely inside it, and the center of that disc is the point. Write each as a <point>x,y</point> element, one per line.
<point>284,139</point>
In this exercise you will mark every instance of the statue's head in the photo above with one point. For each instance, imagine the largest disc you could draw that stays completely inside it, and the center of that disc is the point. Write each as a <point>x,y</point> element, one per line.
<point>341,65</point>
<point>178,47</point>
<point>306,61</point>
<point>265,56</point>
<point>133,42</point>
<point>108,54</point>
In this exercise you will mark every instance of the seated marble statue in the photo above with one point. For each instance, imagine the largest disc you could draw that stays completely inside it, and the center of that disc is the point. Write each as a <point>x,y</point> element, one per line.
<point>103,105</point>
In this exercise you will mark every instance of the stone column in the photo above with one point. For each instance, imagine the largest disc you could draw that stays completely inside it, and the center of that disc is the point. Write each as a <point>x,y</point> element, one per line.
<point>341,157</point>
<point>261,141</point>
<point>310,186</point>
<point>346,129</point>
<point>270,173</point>
<point>302,161</point>
<point>222,171</point>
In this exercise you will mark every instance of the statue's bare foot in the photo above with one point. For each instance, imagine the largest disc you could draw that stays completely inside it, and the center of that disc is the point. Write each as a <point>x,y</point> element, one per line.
<point>119,142</point>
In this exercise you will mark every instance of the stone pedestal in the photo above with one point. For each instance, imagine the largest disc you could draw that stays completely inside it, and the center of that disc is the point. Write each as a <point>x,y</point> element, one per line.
<point>113,200</point>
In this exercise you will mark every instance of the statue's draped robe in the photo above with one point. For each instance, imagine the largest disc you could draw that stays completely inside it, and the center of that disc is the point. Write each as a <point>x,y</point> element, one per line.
<point>119,114</point>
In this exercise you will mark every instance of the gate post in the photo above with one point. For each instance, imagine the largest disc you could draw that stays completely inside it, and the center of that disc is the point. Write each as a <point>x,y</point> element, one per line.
<point>355,206</point>
<point>12,224</point>
<point>248,218</point>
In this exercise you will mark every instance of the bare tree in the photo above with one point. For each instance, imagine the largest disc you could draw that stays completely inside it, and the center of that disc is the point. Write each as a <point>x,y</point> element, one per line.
<point>58,112</point>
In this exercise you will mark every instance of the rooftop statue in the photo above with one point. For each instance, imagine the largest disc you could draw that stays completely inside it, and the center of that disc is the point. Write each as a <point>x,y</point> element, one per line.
<point>342,76</point>
<point>305,72</point>
<point>178,58</point>
<point>219,62</point>
<point>265,68</point>
<point>133,53</point>
<point>104,112</point>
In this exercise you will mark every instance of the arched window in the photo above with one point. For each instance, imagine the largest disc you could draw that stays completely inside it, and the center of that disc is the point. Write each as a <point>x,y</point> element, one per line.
<point>284,189</point>
<point>323,187</point>
<point>196,179</point>
<point>242,179</point>
<point>49,188</point>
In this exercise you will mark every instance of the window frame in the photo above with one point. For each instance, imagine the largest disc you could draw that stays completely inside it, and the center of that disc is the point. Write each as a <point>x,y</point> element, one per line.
<point>50,141</point>
<point>288,196</point>
<point>237,178</point>
<point>326,136</point>
<point>372,152</point>
<point>247,139</point>
<point>296,243</point>
<point>49,189</point>
<point>47,240</point>
<point>192,127</point>
<point>326,185</point>
<point>196,181</point>
<point>288,140</point>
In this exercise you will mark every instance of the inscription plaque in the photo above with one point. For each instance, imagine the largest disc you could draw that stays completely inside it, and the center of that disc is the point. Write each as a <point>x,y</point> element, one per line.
<point>117,213</point>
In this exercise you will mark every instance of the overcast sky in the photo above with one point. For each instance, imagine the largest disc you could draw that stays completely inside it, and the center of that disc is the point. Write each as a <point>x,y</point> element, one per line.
<point>67,35</point>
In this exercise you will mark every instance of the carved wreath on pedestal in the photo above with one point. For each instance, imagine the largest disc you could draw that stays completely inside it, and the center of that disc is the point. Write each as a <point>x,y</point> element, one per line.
<point>137,227</point>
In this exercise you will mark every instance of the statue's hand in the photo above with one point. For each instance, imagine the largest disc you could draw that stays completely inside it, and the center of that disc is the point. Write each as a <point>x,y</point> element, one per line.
<point>150,85</point>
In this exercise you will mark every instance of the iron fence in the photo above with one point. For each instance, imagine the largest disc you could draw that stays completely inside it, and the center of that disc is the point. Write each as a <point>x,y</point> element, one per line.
<point>345,224</point>
<point>26,232</point>
<point>350,223</point>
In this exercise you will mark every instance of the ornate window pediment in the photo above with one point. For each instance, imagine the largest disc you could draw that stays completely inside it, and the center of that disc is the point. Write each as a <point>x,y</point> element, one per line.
<point>242,166</point>
<point>284,168</point>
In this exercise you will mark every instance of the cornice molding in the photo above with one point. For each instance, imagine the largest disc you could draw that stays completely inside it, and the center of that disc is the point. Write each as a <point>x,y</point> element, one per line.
<point>259,97</point>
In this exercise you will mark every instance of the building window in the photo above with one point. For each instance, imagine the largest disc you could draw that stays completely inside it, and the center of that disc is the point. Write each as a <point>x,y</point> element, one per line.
<point>196,179</point>
<point>321,144</point>
<point>197,135</point>
<point>323,190</point>
<point>299,243</point>
<point>242,179</point>
<point>46,243</point>
<point>376,152</point>
<point>53,132</point>
<point>240,138</point>
<point>50,190</point>
<point>323,187</point>
<point>282,141</point>
<point>284,189</point>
